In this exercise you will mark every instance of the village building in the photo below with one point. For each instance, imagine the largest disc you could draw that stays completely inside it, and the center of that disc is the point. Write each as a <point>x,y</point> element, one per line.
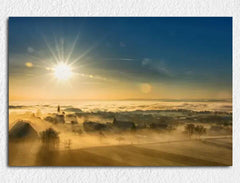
<point>60,116</point>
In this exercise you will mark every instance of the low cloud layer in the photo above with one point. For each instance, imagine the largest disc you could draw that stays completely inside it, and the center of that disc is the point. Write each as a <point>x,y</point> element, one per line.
<point>120,106</point>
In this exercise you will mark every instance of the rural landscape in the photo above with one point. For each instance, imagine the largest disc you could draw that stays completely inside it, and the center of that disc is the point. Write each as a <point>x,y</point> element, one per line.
<point>120,91</point>
<point>167,137</point>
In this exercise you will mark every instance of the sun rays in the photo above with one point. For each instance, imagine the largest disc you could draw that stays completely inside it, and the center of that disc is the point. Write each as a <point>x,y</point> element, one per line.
<point>58,60</point>
<point>62,71</point>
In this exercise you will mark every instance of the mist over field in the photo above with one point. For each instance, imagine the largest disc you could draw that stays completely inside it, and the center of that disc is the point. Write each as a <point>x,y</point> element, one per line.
<point>120,91</point>
<point>123,105</point>
<point>110,132</point>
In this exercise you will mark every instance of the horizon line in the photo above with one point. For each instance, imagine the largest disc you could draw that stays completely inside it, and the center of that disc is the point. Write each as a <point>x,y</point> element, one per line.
<point>130,99</point>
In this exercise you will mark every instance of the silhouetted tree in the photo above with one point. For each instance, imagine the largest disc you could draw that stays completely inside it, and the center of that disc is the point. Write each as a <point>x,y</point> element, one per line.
<point>189,129</point>
<point>48,153</point>
<point>49,137</point>
<point>200,130</point>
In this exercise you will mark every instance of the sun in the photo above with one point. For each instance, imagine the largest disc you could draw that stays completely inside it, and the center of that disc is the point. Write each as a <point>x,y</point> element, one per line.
<point>62,71</point>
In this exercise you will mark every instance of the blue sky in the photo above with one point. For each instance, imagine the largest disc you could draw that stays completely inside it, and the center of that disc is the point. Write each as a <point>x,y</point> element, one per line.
<point>176,53</point>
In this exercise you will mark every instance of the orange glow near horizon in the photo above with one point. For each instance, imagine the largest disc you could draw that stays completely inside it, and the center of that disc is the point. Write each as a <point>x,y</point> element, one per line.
<point>78,88</point>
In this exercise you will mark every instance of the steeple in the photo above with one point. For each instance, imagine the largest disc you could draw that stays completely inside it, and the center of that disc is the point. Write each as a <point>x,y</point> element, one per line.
<point>58,109</point>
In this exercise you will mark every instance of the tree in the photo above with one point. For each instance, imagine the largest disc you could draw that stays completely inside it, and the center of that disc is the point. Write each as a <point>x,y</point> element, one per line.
<point>189,129</point>
<point>49,137</point>
<point>200,130</point>
<point>48,153</point>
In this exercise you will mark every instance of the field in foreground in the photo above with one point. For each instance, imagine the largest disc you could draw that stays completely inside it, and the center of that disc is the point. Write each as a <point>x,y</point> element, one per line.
<point>206,152</point>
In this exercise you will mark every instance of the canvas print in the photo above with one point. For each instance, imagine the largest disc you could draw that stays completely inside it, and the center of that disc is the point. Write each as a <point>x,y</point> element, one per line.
<point>120,91</point>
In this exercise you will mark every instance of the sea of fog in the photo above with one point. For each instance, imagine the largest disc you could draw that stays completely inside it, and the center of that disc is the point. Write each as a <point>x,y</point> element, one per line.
<point>118,106</point>
<point>23,110</point>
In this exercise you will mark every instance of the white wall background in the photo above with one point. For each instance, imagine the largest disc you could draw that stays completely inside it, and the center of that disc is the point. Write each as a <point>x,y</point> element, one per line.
<point>119,8</point>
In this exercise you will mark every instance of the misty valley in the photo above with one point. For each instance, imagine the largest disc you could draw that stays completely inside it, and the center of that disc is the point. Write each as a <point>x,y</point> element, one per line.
<point>121,133</point>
